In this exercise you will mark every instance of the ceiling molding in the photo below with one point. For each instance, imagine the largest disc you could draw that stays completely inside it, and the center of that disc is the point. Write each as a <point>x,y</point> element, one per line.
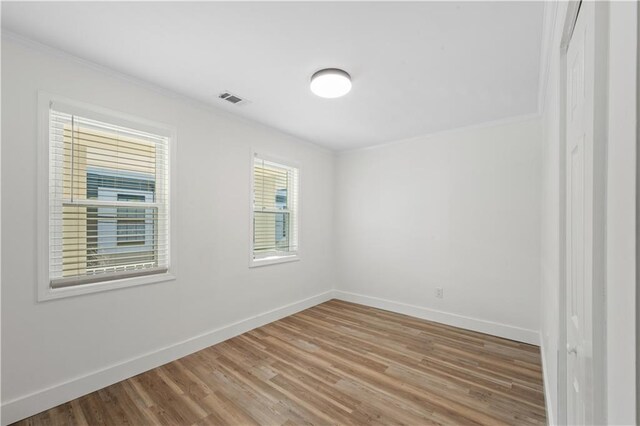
<point>494,123</point>
<point>17,38</point>
<point>46,49</point>
<point>440,65</point>
<point>490,66</point>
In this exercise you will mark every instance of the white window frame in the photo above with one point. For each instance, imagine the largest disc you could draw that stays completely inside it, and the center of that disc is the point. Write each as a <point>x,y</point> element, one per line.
<point>273,260</point>
<point>45,291</point>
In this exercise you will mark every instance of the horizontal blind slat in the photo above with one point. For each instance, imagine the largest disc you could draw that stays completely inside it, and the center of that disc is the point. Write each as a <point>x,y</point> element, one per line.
<point>98,277</point>
<point>274,209</point>
<point>108,199</point>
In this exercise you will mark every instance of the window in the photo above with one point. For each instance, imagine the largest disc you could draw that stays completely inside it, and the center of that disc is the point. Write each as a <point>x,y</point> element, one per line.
<point>108,215</point>
<point>275,212</point>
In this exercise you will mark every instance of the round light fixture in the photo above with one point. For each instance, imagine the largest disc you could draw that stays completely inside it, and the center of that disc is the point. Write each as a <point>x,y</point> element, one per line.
<point>331,83</point>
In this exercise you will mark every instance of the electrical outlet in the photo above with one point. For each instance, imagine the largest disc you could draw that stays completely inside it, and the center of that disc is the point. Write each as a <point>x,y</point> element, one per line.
<point>439,293</point>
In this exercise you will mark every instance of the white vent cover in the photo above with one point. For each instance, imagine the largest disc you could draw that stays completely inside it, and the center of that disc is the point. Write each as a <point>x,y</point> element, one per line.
<point>234,99</point>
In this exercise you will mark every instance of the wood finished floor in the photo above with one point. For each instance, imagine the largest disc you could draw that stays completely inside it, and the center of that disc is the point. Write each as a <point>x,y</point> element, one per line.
<point>335,363</point>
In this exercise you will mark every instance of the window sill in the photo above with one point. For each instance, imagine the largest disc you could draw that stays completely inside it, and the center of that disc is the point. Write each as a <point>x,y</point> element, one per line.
<point>60,293</point>
<point>254,263</point>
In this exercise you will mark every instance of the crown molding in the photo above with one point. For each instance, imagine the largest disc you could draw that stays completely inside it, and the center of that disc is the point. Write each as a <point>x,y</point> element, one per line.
<point>483,125</point>
<point>46,49</point>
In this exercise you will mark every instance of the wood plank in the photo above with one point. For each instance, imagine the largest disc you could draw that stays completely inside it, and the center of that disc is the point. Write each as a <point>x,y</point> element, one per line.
<point>335,363</point>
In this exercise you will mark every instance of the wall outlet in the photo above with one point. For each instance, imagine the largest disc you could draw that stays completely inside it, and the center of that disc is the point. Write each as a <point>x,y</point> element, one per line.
<point>439,293</point>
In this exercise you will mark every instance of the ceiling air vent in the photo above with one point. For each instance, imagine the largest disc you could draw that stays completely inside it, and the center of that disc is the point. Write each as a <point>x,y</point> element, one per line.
<point>230,97</point>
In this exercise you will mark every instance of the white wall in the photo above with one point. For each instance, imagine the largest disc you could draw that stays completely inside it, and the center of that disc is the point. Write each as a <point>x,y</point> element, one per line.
<point>458,210</point>
<point>47,344</point>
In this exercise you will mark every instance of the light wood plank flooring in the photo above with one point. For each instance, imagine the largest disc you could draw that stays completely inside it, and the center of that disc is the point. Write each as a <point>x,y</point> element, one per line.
<point>335,363</point>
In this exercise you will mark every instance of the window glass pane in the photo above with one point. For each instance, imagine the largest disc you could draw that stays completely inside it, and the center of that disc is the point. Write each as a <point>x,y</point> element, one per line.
<point>271,232</point>
<point>275,209</point>
<point>103,178</point>
<point>131,222</point>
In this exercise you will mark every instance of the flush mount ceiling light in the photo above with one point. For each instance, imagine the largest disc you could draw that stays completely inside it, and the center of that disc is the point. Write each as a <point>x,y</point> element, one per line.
<point>331,83</point>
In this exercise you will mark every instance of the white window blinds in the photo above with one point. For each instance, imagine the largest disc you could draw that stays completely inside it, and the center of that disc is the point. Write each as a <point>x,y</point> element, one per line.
<point>275,210</point>
<point>108,201</point>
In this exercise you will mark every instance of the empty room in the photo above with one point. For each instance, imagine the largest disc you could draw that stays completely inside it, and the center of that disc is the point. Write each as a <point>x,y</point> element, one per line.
<point>319,213</point>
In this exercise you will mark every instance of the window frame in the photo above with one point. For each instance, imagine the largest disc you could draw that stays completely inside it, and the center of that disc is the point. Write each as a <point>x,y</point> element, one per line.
<point>273,260</point>
<point>44,289</point>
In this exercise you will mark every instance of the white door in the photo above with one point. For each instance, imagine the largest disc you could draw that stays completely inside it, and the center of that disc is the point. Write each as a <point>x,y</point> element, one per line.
<point>579,178</point>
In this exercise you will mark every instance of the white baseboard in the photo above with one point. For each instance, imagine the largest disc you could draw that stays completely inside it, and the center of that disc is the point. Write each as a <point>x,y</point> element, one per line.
<point>545,385</point>
<point>469,323</point>
<point>28,405</point>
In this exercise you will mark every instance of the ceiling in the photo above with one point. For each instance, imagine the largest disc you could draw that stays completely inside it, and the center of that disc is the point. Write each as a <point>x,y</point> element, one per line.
<point>417,68</point>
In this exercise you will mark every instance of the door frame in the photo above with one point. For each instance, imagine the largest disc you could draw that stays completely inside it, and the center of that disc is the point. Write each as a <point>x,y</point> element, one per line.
<point>601,30</point>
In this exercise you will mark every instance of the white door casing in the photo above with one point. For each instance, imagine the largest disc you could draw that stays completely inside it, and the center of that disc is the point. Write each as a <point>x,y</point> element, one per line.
<point>579,225</point>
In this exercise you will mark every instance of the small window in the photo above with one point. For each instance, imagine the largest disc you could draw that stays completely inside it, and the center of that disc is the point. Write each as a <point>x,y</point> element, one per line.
<point>275,213</point>
<point>108,200</point>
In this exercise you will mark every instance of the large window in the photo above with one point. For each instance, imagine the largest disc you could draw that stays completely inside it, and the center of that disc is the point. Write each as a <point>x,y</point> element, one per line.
<point>108,200</point>
<point>275,212</point>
